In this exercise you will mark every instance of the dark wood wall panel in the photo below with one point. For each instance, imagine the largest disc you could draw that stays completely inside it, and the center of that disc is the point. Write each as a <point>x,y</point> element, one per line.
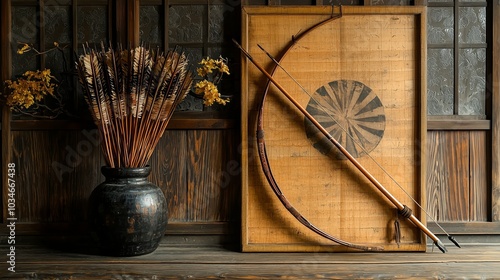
<point>212,175</point>
<point>229,177</point>
<point>5,73</point>
<point>198,171</point>
<point>56,171</point>
<point>169,166</point>
<point>457,177</point>
<point>448,175</point>
<point>479,178</point>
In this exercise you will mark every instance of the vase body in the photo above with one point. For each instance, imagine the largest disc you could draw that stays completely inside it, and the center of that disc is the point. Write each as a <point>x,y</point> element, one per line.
<point>127,213</point>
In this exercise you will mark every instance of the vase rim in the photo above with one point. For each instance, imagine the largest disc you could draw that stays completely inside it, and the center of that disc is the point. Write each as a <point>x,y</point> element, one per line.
<point>128,172</point>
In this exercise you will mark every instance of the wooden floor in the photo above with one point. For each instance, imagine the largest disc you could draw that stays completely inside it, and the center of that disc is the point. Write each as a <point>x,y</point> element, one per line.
<point>188,261</point>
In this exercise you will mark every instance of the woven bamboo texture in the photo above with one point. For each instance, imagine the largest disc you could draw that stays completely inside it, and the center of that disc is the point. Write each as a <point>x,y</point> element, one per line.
<point>367,70</point>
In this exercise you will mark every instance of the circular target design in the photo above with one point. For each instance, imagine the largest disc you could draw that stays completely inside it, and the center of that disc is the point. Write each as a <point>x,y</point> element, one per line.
<point>351,112</point>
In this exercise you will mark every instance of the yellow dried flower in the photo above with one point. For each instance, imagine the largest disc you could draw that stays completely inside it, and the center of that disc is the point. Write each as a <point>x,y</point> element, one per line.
<point>23,49</point>
<point>33,86</point>
<point>210,93</point>
<point>213,70</point>
<point>222,66</point>
<point>208,65</point>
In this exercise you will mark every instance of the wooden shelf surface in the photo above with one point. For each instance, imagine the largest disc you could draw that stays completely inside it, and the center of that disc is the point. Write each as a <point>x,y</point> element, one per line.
<point>60,259</point>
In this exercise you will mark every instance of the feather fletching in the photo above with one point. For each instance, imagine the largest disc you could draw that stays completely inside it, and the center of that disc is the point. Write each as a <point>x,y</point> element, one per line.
<point>131,96</point>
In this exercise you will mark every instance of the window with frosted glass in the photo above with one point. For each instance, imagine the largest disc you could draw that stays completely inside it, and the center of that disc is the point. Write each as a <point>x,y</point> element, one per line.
<point>202,30</point>
<point>456,65</point>
<point>42,25</point>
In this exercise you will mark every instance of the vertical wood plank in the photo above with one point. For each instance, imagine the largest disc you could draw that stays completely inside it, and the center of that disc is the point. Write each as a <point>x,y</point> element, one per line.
<point>230,178</point>
<point>58,187</point>
<point>6,150</point>
<point>112,19</point>
<point>168,164</point>
<point>245,131</point>
<point>211,192</point>
<point>34,197</point>
<point>133,22</point>
<point>120,29</point>
<point>87,175</point>
<point>457,161</point>
<point>75,44</point>
<point>5,73</point>
<point>166,16</point>
<point>478,176</point>
<point>435,184</point>
<point>448,175</point>
<point>495,118</point>
<point>57,171</point>
<point>422,88</point>
<point>205,161</point>
<point>41,31</point>
<point>80,152</point>
<point>74,24</point>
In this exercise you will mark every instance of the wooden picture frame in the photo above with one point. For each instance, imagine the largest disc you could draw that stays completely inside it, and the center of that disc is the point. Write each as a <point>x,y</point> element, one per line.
<point>377,55</point>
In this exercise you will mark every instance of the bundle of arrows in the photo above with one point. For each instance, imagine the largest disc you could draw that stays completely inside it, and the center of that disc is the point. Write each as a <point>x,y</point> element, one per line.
<point>132,95</point>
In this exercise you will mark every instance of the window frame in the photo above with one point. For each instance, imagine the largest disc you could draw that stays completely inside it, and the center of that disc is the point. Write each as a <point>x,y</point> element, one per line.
<point>456,121</point>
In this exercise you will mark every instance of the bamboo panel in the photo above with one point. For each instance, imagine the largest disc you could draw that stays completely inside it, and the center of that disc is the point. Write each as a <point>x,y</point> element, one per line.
<point>368,62</point>
<point>448,175</point>
<point>478,176</point>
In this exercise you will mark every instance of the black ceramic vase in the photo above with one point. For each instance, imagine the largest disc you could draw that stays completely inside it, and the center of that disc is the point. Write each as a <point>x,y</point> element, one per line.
<point>127,213</point>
